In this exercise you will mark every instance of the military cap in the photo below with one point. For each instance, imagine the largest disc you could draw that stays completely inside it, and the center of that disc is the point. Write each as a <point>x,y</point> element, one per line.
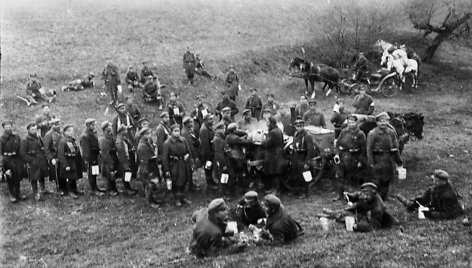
<point>54,120</point>
<point>186,119</point>
<point>272,200</point>
<point>299,121</point>
<point>174,126</point>
<point>121,128</point>
<point>266,110</point>
<point>220,125</point>
<point>352,116</point>
<point>440,175</point>
<point>164,114</point>
<point>143,132</point>
<point>7,122</point>
<point>140,121</point>
<point>368,185</point>
<point>120,105</point>
<point>382,115</point>
<point>272,120</point>
<point>207,116</point>
<point>232,126</point>
<point>66,128</point>
<point>217,205</point>
<point>245,111</point>
<point>226,109</point>
<point>105,124</point>
<point>30,125</point>
<point>270,95</point>
<point>89,121</point>
<point>251,195</point>
<point>312,101</point>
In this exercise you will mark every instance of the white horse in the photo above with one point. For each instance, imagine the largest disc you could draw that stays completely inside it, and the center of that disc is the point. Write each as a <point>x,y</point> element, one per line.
<point>398,54</point>
<point>384,45</point>
<point>404,67</point>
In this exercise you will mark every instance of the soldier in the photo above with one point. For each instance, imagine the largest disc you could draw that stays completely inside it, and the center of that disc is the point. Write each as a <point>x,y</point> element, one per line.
<point>363,103</point>
<point>124,118</point>
<point>176,110</point>
<point>303,154</point>
<point>91,150</point>
<point>162,134</point>
<point>200,68</point>
<point>79,84</point>
<point>441,199</point>
<point>273,156</point>
<point>232,83</point>
<point>314,118</point>
<point>280,224</point>
<point>254,104</point>
<point>43,120</point>
<point>70,161</point>
<point>302,107</point>
<point>109,159</point>
<point>210,237</point>
<point>237,156</point>
<point>226,116</point>
<point>177,164</point>
<point>199,111</point>
<point>142,123</point>
<point>125,154</point>
<point>132,79</point>
<point>111,76</point>
<point>147,170</point>
<point>248,210</point>
<point>382,153</point>
<point>152,91</point>
<point>360,67</point>
<point>51,143</point>
<point>350,154</point>
<point>11,165</point>
<point>247,123</point>
<point>271,105</point>
<point>189,66</point>
<point>36,92</point>
<point>221,160</point>
<point>133,109</point>
<point>339,117</point>
<point>226,102</point>
<point>369,208</point>
<point>207,152</point>
<point>145,73</point>
<point>32,153</point>
<point>188,133</point>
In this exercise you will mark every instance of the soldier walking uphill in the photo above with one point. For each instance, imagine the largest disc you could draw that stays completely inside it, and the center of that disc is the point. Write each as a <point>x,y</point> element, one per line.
<point>189,64</point>
<point>32,153</point>
<point>70,161</point>
<point>303,154</point>
<point>147,170</point>
<point>382,154</point>
<point>273,157</point>
<point>177,164</point>
<point>111,76</point>
<point>350,154</point>
<point>232,83</point>
<point>207,151</point>
<point>91,151</point>
<point>51,145</point>
<point>109,160</point>
<point>11,165</point>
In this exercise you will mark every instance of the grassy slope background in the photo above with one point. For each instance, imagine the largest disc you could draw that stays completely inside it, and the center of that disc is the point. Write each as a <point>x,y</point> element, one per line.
<point>61,40</point>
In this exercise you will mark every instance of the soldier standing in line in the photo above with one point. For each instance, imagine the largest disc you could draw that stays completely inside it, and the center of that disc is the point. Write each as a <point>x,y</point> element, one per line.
<point>189,64</point>
<point>91,150</point>
<point>382,154</point>
<point>221,161</point>
<point>147,170</point>
<point>254,103</point>
<point>123,118</point>
<point>32,153</point>
<point>200,109</point>
<point>43,120</point>
<point>226,102</point>
<point>109,160</point>
<point>11,165</point>
<point>162,134</point>
<point>175,109</point>
<point>207,151</point>
<point>51,143</point>
<point>124,153</point>
<point>70,160</point>
<point>194,145</point>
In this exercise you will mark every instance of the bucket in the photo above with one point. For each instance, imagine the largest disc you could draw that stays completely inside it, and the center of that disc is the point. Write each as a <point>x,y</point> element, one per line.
<point>232,226</point>
<point>307,176</point>
<point>421,211</point>
<point>224,178</point>
<point>401,173</point>
<point>128,176</point>
<point>350,221</point>
<point>169,184</point>
<point>324,224</point>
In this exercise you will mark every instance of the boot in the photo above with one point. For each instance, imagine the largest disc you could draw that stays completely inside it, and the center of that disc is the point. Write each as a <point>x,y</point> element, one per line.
<point>177,200</point>
<point>42,185</point>
<point>11,190</point>
<point>37,195</point>
<point>93,186</point>
<point>72,189</point>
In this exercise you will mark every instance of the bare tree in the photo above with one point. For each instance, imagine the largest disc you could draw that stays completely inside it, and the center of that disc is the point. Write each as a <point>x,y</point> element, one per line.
<point>446,19</point>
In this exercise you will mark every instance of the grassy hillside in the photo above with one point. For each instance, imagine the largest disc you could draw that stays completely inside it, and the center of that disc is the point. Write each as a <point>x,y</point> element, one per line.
<point>61,40</point>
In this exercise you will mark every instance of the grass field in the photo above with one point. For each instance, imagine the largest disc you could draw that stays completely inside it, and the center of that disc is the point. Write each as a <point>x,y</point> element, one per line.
<point>62,40</point>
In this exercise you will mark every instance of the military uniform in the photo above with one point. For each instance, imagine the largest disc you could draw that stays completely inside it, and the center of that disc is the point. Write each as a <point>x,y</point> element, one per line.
<point>360,67</point>
<point>301,109</point>
<point>147,170</point>
<point>109,160</point>
<point>10,160</point>
<point>207,152</point>
<point>363,104</point>
<point>132,80</point>
<point>247,215</point>
<point>237,157</point>
<point>145,72</point>
<point>134,112</point>
<point>32,153</point>
<point>232,83</point>
<point>273,156</point>
<point>125,154</point>
<point>42,121</point>
<point>273,107</point>
<point>338,119</point>
<point>227,103</point>
<point>51,145</point>
<point>197,115</point>
<point>254,104</point>
<point>303,154</point>
<point>69,157</point>
<point>189,65</point>
<point>91,151</point>
<point>382,153</point>
<point>172,108</point>
<point>111,76</point>
<point>127,120</point>
<point>280,224</point>
<point>222,161</point>
<point>314,118</point>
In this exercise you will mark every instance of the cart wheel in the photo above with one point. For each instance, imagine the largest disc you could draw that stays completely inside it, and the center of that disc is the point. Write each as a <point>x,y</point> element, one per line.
<point>390,87</point>
<point>345,88</point>
<point>357,86</point>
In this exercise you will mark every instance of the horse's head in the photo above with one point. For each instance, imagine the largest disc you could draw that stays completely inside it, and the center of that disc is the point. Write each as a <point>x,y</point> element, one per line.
<point>414,124</point>
<point>296,63</point>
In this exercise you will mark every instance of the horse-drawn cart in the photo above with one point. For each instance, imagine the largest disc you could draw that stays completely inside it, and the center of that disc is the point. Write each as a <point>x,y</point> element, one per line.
<point>387,83</point>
